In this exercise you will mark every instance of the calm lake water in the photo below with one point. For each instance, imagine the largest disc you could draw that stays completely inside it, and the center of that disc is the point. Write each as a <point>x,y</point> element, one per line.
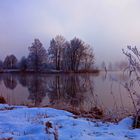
<point>72,92</point>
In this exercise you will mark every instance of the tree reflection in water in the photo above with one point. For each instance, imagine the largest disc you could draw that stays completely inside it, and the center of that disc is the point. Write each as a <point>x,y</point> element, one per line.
<point>37,88</point>
<point>72,92</point>
<point>10,81</point>
<point>68,91</point>
<point>23,78</point>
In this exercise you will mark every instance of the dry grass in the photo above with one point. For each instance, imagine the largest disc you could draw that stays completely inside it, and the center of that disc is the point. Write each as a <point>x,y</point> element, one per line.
<point>95,113</point>
<point>2,100</point>
<point>7,138</point>
<point>136,123</point>
<point>49,127</point>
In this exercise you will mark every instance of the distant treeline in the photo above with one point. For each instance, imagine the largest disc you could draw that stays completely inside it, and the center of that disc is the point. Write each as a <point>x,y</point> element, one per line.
<point>62,56</point>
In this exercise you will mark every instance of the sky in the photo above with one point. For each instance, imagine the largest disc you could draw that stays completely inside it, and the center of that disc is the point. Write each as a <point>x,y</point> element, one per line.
<point>107,25</point>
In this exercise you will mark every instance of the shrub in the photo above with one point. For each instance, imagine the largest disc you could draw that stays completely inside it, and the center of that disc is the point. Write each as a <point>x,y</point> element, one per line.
<point>2,100</point>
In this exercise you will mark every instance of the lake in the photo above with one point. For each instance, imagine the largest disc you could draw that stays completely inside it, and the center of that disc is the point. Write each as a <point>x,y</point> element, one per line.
<point>79,93</point>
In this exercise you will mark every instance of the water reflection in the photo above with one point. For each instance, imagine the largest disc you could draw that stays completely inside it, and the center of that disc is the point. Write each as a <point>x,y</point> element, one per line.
<point>72,92</point>
<point>67,90</point>
<point>23,78</point>
<point>10,81</point>
<point>37,88</point>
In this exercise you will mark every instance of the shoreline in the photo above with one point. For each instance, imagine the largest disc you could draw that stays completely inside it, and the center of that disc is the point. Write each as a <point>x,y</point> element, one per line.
<point>50,72</point>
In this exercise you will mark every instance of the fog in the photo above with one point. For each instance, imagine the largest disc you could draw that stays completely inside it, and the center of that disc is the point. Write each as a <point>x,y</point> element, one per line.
<point>107,25</point>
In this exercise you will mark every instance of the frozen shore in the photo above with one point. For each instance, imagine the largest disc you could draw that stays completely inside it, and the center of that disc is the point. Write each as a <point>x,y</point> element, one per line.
<point>23,123</point>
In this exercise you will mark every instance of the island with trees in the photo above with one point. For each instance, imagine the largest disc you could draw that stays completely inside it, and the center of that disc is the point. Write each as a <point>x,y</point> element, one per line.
<point>62,56</point>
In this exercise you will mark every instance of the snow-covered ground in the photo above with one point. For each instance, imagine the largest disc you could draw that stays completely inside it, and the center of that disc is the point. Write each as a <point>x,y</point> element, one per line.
<point>22,123</point>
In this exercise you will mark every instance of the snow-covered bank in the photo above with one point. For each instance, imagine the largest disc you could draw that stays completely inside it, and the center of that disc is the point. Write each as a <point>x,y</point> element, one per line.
<point>22,123</point>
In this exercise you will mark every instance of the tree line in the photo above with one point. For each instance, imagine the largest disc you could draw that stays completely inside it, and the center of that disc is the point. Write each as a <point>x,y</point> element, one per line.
<point>62,55</point>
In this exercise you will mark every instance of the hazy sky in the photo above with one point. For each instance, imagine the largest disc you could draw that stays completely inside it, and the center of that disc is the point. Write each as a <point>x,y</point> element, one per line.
<point>107,25</point>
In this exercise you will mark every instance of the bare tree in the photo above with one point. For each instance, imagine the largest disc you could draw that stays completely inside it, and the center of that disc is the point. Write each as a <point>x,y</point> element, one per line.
<point>1,65</point>
<point>89,58</point>
<point>133,84</point>
<point>77,48</point>
<point>10,62</point>
<point>103,66</point>
<point>110,67</point>
<point>123,65</point>
<point>77,52</point>
<point>37,56</point>
<point>23,64</point>
<point>56,50</point>
<point>70,56</point>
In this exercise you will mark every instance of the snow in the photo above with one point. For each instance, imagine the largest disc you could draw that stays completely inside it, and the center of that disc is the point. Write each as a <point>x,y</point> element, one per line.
<point>23,123</point>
